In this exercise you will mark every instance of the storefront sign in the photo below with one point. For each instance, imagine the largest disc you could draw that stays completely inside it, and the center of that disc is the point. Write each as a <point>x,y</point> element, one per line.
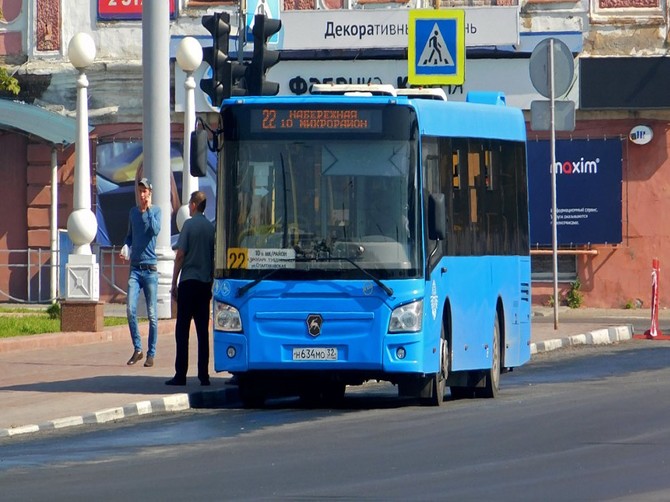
<point>641,134</point>
<point>125,9</point>
<point>588,192</point>
<point>296,78</point>
<point>388,28</point>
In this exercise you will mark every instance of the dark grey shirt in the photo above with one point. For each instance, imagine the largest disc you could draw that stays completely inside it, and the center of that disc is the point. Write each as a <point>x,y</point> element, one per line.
<point>196,240</point>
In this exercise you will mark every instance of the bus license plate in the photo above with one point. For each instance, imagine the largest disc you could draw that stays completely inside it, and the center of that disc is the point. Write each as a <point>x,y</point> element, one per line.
<point>315,354</point>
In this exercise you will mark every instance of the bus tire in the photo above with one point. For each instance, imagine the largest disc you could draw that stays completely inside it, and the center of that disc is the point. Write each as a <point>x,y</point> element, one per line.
<point>492,384</point>
<point>333,393</point>
<point>462,392</point>
<point>252,393</point>
<point>438,381</point>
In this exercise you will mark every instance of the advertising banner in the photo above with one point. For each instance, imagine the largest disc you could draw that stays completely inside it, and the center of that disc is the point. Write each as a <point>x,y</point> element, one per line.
<point>588,192</point>
<point>119,165</point>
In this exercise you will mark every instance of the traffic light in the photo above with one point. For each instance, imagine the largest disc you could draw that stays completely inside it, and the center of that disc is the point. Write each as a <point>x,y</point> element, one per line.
<point>236,81</point>
<point>263,58</point>
<point>218,24</point>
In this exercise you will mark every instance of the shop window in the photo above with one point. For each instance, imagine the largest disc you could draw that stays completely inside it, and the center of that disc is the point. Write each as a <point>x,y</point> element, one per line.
<point>542,268</point>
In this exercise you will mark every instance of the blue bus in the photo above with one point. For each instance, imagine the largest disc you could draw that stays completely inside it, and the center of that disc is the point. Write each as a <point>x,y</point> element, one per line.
<point>371,236</point>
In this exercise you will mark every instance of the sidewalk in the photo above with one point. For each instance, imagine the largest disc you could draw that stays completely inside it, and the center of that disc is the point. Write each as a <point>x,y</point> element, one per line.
<point>65,379</point>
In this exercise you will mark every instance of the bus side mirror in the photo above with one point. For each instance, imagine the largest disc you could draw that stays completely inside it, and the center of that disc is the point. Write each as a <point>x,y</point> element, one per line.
<point>437,217</point>
<point>198,160</point>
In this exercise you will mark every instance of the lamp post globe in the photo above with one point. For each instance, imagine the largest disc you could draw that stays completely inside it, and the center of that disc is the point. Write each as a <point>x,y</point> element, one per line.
<point>81,50</point>
<point>189,54</point>
<point>189,58</point>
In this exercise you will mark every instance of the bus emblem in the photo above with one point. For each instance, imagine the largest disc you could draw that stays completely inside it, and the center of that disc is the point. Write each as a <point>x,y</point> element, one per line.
<point>314,322</point>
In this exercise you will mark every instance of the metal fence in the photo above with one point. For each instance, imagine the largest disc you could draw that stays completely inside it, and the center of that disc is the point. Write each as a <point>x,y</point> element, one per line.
<point>32,276</point>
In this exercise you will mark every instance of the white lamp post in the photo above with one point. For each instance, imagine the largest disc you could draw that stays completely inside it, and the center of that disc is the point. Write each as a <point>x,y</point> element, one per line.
<point>189,57</point>
<point>82,226</point>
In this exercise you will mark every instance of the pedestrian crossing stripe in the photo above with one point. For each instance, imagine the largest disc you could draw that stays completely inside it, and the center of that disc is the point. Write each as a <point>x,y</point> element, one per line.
<point>440,37</point>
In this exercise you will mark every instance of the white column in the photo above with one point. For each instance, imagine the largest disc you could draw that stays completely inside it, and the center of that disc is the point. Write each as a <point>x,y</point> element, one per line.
<point>83,280</point>
<point>189,57</point>
<point>53,224</point>
<point>156,135</point>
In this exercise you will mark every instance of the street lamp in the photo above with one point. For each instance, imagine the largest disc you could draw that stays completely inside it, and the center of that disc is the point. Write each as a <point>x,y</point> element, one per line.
<point>82,226</point>
<point>189,57</point>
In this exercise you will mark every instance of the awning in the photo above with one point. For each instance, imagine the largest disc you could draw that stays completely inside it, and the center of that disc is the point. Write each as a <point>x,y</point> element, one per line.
<point>37,121</point>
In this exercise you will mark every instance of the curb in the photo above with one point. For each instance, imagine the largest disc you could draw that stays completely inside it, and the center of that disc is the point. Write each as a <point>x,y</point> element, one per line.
<point>604,336</point>
<point>174,402</point>
<point>222,397</point>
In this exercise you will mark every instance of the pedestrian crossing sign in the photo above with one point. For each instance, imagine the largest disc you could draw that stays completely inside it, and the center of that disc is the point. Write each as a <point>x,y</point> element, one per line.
<point>436,47</point>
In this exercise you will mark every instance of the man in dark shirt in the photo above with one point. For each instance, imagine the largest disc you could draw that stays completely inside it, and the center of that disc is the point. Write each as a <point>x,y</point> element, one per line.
<point>143,227</point>
<point>193,265</point>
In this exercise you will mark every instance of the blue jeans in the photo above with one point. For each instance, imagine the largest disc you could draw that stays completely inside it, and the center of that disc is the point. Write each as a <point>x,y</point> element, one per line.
<point>148,281</point>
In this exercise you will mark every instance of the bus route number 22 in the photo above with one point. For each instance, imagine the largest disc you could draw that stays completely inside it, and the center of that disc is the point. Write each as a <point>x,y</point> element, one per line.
<point>237,258</point>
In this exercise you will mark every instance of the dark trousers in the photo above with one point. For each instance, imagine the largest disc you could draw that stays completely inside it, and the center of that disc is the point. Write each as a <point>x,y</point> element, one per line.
<point>192,303</point>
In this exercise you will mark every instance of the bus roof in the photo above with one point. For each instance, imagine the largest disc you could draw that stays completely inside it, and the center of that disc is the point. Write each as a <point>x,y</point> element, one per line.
<point>436,117</point>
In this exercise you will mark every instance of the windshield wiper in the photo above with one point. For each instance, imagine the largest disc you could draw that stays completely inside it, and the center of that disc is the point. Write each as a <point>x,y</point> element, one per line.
<point>318,257</point>
<point>375,279</point>
<point>327,257</point>
<point>256,281</point>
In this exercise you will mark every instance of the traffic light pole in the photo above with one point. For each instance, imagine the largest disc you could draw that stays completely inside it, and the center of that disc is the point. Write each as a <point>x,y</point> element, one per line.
<point>241,30</point>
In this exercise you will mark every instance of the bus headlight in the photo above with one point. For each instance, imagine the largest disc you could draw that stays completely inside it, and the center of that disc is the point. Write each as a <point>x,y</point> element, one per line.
<point>407,318</point>
<point>226,317</point>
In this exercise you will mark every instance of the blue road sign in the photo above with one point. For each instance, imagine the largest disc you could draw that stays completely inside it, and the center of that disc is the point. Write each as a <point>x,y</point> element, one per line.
<point>269,8</point>
<point>436,47</point>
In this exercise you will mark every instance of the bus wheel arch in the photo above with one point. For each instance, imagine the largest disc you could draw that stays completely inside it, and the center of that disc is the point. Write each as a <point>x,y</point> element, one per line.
<point>438,381</point>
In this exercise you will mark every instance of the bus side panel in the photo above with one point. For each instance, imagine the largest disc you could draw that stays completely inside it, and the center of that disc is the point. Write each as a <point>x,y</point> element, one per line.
<point>518,351</point>
<point>473,285</point>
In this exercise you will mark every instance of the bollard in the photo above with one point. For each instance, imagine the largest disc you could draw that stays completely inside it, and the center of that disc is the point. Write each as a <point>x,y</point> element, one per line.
<point>654,333</point>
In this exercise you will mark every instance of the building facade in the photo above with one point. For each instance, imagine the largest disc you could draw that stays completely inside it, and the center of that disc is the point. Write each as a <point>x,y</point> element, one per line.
<point>612,187</point>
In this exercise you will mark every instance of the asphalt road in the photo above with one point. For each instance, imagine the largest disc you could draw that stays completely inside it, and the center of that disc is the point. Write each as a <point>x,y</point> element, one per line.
<point>589,423</point>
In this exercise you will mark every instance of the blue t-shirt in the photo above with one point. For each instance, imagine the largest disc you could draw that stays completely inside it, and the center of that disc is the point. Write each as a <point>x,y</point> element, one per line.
<point>143,227</point>
<point>196,240</point>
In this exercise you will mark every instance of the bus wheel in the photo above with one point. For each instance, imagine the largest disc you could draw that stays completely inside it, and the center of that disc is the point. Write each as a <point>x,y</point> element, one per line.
<point>252,393</point>
<point>462,392</point>
<point>310,394</point>
<point>439,380</point>
<point>333,393</point>
<point>492,385</point>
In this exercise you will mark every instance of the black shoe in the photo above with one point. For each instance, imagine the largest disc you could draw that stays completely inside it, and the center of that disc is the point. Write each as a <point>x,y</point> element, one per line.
<point>175,381</point>
<point>205,383</point>
<point>137,355</point>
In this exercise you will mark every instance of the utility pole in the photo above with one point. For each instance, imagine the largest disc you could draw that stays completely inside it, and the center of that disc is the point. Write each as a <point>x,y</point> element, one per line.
<point>156,135</point>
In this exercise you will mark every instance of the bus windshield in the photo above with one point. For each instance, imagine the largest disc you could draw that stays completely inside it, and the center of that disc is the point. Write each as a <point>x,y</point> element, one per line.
<point>325,205</point>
